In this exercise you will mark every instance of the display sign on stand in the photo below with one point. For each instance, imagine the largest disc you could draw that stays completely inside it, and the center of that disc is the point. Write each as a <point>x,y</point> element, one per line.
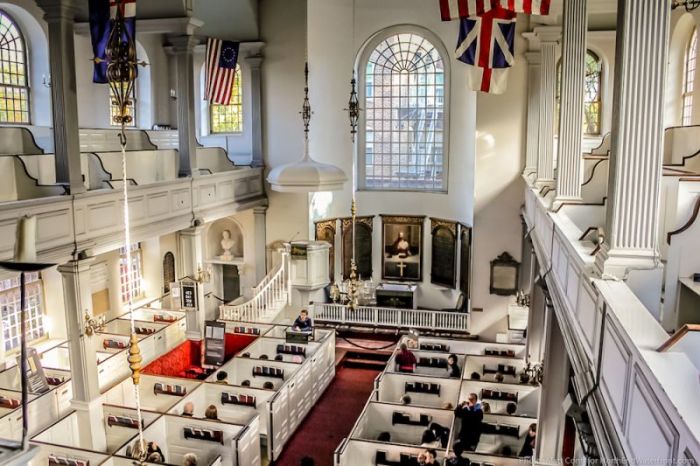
<point>188,294</point>
<point>214,343</point>
<point>35,372</point>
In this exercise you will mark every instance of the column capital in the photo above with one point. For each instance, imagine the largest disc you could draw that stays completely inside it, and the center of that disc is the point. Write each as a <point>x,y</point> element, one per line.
<point>57,10</point>
<point>180,45</point>
<point>76,266</point>
<point>548,35</point>
<point>260,210</point>
<point>254,61</point>
<point>532,41</point>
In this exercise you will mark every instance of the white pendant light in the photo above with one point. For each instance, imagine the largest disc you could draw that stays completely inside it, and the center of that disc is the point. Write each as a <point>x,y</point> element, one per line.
<point>306,175</point>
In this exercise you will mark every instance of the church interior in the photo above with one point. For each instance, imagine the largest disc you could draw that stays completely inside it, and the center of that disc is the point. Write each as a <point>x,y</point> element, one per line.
<point>349,232</point>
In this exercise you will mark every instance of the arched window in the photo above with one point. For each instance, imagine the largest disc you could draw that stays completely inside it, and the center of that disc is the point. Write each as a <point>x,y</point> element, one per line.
<point>592,96</point>
<point>14,84</point>
<point>690,58</point>
<point>168,270</point>
<point>592,102</point>
<point>229,118</point>
<point>404,122</point>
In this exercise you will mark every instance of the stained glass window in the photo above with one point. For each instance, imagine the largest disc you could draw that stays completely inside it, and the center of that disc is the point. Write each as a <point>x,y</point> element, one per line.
<point>691,54</point>
<point>229,118</point>
<point>14,85</point>
<point>404,116</point>
<point>591,97</point>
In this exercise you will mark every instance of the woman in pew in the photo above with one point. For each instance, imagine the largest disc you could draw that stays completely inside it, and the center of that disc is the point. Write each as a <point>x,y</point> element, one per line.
<point>428,440</point>
<point>427,458</point>
<point>190,459</point>
<point>453,369</point>
<point>212,413</point>
<point>406,360</point>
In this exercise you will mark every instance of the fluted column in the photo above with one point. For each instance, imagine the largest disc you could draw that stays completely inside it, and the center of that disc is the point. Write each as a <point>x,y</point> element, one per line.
<point>260,214</point>
<point>60,17</point>
<point>182,47</point>
<point>255,63</point>
<point>637,139</point>
<point>534,61</point>
<point>573,76</point>
<point>549,40</point>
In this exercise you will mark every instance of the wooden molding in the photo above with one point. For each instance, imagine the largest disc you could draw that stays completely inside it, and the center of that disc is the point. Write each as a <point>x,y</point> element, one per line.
<point>676,337</point>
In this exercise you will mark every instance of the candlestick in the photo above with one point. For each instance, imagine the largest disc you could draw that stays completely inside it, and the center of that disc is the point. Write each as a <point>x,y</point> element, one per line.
<point>25,245</point>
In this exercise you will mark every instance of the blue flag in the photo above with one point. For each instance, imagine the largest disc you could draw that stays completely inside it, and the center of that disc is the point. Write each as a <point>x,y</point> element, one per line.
<point>102,14</point>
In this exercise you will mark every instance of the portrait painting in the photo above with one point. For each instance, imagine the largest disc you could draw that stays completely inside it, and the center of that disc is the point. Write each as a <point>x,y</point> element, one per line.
<point>402,242</point>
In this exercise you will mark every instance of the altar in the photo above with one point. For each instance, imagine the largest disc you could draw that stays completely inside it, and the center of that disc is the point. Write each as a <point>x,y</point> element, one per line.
<point>398,295</point>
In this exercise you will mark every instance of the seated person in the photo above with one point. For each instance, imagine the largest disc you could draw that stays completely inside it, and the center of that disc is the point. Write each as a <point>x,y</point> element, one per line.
<point>454,458</point>
<point>222,377</point>
<point>453,369</point>
<point>188,409</point>
<point>303,323</point>
<point>211,413</point>
<point>428,440</point>
<point>384,437</point>
<point>245,383</point>
<point>529,444</point>
<point>405,360</point>
<point>427,458</point>
<point>268,385</point>
<point>406,400</point>
<point>155,451</point>
<point>441,433</point>
<point>190,459</point>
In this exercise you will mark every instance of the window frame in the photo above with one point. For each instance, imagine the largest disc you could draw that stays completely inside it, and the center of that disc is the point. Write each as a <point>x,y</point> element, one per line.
<point>238,79</point>
<point>360,68</point>
<point>25,59</point>
<point>39,283</point>
<point>598,60</point>
<point>135,250</point>
<point>686,93</point>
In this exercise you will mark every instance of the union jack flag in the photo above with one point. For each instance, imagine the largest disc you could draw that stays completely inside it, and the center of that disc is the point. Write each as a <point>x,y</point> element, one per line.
<point>486,44</point>
<point>456,9</point>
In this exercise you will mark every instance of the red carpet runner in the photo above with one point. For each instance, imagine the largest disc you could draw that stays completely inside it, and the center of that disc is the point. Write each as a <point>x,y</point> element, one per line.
<point>331,419</point>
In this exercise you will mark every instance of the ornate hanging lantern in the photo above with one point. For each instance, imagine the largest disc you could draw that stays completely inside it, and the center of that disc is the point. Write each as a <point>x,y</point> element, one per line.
<point>353,107</point>
<point>122,66</point>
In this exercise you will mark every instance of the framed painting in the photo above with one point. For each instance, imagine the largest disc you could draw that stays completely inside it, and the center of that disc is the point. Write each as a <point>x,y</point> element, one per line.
<point>363,246</point>
<point>402,248</point>
<point>443,269</point>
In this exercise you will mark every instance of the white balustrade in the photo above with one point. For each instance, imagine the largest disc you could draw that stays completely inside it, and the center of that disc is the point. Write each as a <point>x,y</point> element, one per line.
<point>391,317</point>
<point>269,298</point>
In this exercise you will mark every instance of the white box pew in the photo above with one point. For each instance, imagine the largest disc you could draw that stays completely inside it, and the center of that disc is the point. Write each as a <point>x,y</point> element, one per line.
<point>235,405</point>
<point>69,432</point>
<point>17,184</point>
<point>163,139</point>
<point>11,415</point>
<point>680,142</point>
<point>498,431</point>
<point>240,369</point>
<point>383,417</point>
<point>488,366</point>
<point>121,425</point>
<point>354,452</point>
<point>271,347</point>
<point>528,396</point>
<point>470,347</point>
<point>207,439</point>
<point>323,365</point>
<point>594,186</point>
<point>82,457</point>
<point>422,390</point>
<point>16,140</point>
<point>280,331</point>
<point>159,316</point>
<point>479,459</point>
<point>143,166</point>
<point>429,363</point>
<point>174,331</point>
<point>214,160</point>
<point>151,397</point>
<point>56,358</point>
<point>247,328</point>
<point>103,139</point>
<point>123,327</point>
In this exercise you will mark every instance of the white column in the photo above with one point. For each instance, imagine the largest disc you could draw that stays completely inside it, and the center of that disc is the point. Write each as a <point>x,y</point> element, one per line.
<point>573,76</point>
<point>191,258</point>
<point>60,16</point>
<point>555,386</point>
<point>549,40</point>
<point>83,356</point>
<point>260,214</point>
<point>534,63</point>
<point>182,48</point>
<point>255,64</point>
<point>637,138</point>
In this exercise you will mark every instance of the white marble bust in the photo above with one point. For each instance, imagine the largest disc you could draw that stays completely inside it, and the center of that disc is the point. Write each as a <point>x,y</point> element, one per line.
<point>226,244</point>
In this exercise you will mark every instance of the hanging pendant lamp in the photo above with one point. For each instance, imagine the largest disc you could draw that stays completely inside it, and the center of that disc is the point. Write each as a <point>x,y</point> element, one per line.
<point>306,175</point>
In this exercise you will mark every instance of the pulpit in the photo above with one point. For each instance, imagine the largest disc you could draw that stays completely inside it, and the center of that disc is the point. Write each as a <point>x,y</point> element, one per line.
<point>397,295</point>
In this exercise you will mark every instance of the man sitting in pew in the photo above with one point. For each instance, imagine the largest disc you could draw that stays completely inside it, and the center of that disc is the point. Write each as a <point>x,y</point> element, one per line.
<point>303,323</point>
<point>406,360</point>
<point>472,416</point>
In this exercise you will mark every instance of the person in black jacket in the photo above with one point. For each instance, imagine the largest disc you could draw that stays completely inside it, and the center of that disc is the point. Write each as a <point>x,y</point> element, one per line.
<point>472,416</point>
<point>453,369</point>
<point>528,448</point>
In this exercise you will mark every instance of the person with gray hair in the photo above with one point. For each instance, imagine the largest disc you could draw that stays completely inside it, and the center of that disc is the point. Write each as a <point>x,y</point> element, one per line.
<point>190,459</point>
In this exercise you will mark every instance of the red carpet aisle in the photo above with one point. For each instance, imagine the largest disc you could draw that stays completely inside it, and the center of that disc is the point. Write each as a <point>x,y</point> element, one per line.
<point>331,419</point>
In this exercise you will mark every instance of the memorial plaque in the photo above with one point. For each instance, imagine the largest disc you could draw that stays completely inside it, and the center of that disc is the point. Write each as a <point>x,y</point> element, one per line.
<point>444,253</point>
<point>465,261</point>
<point>363,246</point>
<point>188,292</point>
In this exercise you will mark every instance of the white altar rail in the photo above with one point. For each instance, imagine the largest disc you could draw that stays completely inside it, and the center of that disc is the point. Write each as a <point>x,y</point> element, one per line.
<point>391,317</point>
<point>632,392</point>
<point>269,298</point>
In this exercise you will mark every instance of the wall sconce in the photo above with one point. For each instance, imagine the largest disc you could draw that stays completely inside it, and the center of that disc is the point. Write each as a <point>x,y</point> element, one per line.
<point>173,95</point>
<point>203,274</point>
<point>93,324</point>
